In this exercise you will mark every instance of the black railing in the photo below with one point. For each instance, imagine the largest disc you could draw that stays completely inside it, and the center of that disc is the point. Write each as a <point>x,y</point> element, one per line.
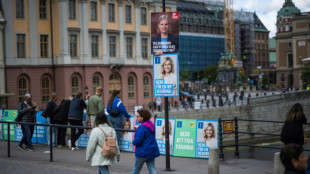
<point>236,136</point>
<point>51,137</point>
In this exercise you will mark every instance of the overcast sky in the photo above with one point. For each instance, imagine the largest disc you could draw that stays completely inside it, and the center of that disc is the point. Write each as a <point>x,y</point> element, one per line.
<point>267,10</point>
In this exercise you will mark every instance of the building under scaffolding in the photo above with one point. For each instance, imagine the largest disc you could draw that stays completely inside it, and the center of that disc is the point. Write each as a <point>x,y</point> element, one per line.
<point>201,33</point>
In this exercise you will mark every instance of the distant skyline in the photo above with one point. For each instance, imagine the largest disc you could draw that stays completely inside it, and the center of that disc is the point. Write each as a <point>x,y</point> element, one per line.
<point>267,10</point>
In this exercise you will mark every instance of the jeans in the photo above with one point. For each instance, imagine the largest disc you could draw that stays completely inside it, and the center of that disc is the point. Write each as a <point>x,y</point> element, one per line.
<point>31,132</point>
<point>103,170</point>
<point>26,136</point>
<point>75,136</point>
<point>150,163</point>
<point>48,121</point>
<point>117,123</point>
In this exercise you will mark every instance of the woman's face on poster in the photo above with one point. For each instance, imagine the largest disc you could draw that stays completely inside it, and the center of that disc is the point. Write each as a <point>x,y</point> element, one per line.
<point>209,131</point>
<point>163,26</point>
<point>167,66</point>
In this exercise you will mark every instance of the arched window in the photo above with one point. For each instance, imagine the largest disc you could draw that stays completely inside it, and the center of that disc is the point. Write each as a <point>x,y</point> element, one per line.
<point>131,87</point>
<point>75,84</point>
<point>45,88</point>
<point>114,83</point>
<point>146,87</point>
<point>22,88</point>
<point>96,82</point>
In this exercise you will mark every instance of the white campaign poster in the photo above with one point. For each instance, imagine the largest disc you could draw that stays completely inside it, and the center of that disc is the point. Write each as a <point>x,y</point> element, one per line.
<point>160,134</point>
<point>127,137</point>
<point>166,75</point>
<point>207,137</point>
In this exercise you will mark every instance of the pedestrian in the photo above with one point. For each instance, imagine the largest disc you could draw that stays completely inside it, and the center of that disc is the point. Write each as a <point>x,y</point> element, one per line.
<point>150,105</point>
<point>292,130</point>
<point>95,105</point>
<point>117,111</point>
<point>49,110</point>
<point>61,117</point>
<point>158,102</point>
<point>26,113</point>
<point>293,159</point>
<point>96,142</point>
<point>75,117</point>
<point>145,142</point>
<point>154,104</point>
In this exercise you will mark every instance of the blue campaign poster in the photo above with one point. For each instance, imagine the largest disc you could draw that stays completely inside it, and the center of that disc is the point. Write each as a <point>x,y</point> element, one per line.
<point>1,135</point>
<point>206,137</point>
<point>160,134</point>
<point>166,75</point>
<point>127,137</point>
<point>39,134</point>
<point>83,139</point>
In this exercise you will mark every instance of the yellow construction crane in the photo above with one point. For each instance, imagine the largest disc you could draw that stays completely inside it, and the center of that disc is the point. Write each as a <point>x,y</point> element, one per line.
<point>229,26</point>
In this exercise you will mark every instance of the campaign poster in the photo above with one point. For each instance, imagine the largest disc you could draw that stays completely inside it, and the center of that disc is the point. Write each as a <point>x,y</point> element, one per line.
<point>1,136</point>
<point>166,75</point>
<point>185,138</point>
<point>164,32</point>
<point>39,134</point>
<point>83,139</point>
<point>127,137</point>
<point>160,134</point>
<point>207,137</point>
<point>9,115</point>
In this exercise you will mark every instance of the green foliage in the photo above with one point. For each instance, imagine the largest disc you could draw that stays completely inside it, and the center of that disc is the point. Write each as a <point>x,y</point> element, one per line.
<point>265,80</point>
<point>184,75</point>
<point>305,77</point>
<point>200,75</point>
<point>211,73</point>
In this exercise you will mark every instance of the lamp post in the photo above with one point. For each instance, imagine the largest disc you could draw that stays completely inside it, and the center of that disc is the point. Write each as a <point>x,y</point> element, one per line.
<point>191,63</point>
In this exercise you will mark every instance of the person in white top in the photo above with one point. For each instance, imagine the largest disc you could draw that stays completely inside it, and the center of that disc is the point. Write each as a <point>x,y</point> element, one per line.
<point>168,73</point>
<point>209,136</point>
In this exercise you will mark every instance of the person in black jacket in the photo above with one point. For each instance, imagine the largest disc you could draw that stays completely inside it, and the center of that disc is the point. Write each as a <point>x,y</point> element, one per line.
<point>293,159</point>
<point>75,117</point>
<point>61,117</point>
<point>292,130</point>
<point>49,110</point>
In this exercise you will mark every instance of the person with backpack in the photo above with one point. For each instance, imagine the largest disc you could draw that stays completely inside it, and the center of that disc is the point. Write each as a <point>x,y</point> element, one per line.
<point>145,142</point>
<point>96,143</point>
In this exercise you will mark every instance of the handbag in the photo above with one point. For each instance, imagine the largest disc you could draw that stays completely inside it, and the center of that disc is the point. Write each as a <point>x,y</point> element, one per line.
<point>43,114</point>
<point>109,147</point>
<point>114,113</point>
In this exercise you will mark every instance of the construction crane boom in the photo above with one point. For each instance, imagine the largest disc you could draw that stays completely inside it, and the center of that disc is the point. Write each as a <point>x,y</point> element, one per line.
<point>229,26</point>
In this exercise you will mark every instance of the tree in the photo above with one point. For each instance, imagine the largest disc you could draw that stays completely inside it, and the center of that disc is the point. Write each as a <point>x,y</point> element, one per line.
<point>211,73</point>
<point>184,75</point>
<point>305,77</point>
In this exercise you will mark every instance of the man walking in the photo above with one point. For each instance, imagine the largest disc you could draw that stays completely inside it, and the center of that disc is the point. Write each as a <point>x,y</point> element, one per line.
<point>95,105</point>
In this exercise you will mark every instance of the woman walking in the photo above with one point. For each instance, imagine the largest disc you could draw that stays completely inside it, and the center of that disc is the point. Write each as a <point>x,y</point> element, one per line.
<point>49,110</point>
<point>96,142</point>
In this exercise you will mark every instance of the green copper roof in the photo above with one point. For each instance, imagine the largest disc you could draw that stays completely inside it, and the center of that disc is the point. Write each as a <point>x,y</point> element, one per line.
<point>288,9</point>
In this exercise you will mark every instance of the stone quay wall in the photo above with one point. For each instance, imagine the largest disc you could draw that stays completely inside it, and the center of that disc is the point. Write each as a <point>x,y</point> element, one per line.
<point>267,108</point>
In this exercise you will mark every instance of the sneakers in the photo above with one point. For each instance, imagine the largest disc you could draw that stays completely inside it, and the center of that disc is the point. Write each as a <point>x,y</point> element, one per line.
<point>74,148</point>
<point>20,148</point>
<point>31,150</point>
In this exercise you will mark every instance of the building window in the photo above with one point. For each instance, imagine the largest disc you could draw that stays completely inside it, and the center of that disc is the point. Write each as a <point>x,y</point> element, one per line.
<point>94,45</point>
<point>75,84</point>
<point>128,13</point>
<point>111,12</point>
<point>131,87</point>
<point>93,11</point>
<point>19,8</point>
<point>144,48</point>
<point>44,45</point>
<point>45,89</point>
<point>96,82</point>
<point>21,50</point>
<point>290,60</point>
<point>129,47</point>
<point>143,16</point>
<point>43,9</point>
<point>72,8</point>
<point>146,87</point>
<point>112,43</point>
<point>22,89</point>
<point>73,45</point>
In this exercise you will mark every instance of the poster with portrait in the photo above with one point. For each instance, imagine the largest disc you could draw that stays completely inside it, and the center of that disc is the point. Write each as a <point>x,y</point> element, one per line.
<point>126,138</point>
<point>160,134</point>
<point>1,135</point>
<point>164,32</point>
<point>166,75</point>
<point>185,137</point>
<point>207,137</point>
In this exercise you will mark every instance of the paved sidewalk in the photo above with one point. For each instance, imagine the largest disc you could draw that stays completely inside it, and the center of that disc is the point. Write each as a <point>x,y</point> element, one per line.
<point>73,162</point>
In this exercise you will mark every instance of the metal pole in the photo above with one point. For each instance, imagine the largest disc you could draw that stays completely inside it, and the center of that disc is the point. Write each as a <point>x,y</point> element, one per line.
<point>221,155</point>
<point>9,154</point>
<point>236,138</point>
<point>51,143</point>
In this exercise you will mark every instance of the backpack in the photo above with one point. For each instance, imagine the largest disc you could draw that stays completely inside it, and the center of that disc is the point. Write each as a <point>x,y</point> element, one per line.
<point>109,147</point>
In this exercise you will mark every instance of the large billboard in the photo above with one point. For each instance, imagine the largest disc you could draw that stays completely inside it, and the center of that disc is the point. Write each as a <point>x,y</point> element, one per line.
<point>164,32</point>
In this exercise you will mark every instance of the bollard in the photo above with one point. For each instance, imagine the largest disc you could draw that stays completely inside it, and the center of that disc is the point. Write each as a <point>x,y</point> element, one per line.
<point>213,167</point>
<point>278,166</point>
